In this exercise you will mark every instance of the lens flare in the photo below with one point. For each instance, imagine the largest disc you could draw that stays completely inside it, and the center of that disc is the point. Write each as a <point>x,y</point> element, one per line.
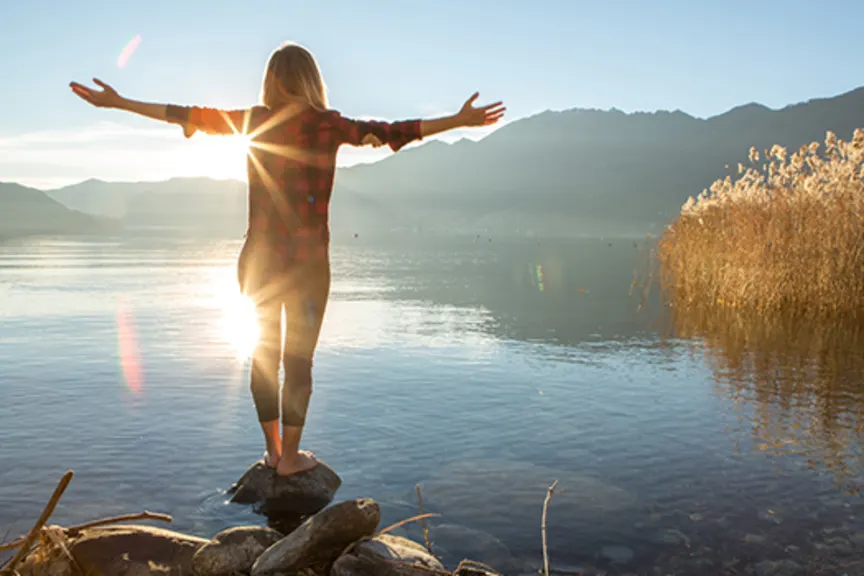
<point>128,50</point>
<point>127,344</point>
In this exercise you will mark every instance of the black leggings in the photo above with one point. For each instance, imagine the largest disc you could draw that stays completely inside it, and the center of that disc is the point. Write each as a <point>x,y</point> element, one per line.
<point>302,292</point>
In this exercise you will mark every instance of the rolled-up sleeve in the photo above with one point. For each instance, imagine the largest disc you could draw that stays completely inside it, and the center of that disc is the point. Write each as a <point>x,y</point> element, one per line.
<point>211,120</point>
<point>394,134</point>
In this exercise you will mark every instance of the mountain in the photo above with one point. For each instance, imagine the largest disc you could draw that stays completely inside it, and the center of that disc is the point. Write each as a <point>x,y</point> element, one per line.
<point>26,211</point>
<point>572,172</point>
<point>590,170</point>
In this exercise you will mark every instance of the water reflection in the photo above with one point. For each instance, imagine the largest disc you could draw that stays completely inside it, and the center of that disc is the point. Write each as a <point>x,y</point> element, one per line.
<point>562,293</point>
<point>797,386</point>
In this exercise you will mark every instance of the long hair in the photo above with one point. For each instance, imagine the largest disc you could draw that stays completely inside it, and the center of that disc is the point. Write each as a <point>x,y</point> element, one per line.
<point>293,75</point>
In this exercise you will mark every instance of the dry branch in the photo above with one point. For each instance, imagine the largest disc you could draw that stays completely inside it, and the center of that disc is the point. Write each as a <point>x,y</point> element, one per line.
<point>37,528</point>
<point>549,493</point>
<point>423,521</point>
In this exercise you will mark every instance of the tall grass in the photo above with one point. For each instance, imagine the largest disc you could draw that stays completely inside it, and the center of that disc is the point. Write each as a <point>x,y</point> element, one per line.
<point>786,235</point>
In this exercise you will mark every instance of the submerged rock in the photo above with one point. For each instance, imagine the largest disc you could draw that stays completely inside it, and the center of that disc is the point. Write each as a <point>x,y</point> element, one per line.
<point>135,551</point>
<point>453,542</point>
<point>286,496</point>
<point>616,554</point>
<point>319,541</point>
<point>502,497</point>
<point>386,555</point>
<point>233,551</point>
<point>778,568</point>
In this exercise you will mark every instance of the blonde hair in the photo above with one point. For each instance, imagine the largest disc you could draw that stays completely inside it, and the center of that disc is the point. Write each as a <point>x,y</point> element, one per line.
<point>293,75</point>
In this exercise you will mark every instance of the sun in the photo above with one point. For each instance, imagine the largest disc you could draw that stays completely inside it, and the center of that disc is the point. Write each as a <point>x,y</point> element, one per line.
<point>219,157</point>
<point>238,321</point>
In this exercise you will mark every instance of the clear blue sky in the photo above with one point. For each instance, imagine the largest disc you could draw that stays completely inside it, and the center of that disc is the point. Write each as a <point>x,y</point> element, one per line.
<point>394,59</point>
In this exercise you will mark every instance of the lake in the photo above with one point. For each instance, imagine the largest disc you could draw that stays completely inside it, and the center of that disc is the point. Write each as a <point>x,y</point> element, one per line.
<point>481,369</point>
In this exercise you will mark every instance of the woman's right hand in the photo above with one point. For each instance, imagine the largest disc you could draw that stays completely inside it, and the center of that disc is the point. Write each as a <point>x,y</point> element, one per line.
<point>105,98</point>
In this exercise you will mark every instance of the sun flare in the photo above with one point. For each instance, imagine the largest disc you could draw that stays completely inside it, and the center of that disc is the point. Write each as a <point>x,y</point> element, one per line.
<point>219,157</point>
<point>238,321</point>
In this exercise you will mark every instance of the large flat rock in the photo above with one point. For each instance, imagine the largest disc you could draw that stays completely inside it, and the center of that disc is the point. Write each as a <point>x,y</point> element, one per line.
<point>135,551</point>
<point>279,497</point>
<point>387,555</point>
<point>321,539</point>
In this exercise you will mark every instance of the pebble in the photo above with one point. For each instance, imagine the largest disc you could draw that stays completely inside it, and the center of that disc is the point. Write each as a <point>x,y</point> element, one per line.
<point>617,554</point>
<point>754,539</point>
<point>778,568</point>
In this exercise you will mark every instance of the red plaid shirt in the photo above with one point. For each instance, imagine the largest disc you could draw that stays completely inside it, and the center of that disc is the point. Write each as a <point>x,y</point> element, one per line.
<point>290,165</point>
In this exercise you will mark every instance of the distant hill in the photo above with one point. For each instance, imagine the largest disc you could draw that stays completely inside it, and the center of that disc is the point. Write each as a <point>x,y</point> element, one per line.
<point>26,211</point>
<point>557,173</point>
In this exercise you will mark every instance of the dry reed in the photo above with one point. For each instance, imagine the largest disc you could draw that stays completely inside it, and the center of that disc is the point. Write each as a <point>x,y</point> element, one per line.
<point>787,235</point>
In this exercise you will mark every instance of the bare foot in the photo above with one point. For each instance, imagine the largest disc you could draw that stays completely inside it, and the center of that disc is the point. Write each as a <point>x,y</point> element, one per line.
<point>302,461</point>
<point>271,460</point>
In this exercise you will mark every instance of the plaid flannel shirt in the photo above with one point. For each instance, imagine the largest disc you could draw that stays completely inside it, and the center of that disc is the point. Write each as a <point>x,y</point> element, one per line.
<point>291,165</point>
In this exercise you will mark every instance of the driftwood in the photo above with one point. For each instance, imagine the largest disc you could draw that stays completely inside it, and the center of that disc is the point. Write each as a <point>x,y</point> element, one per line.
<point>56,535</point>
<point>37,528</point>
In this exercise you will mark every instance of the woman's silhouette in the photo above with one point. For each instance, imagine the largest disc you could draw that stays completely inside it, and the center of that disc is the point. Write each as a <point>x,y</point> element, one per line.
<point>284,263</point>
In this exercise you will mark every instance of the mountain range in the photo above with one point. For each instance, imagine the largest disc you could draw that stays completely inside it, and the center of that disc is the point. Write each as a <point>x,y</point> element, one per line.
<point>574,172</point>
<point>28,212</point>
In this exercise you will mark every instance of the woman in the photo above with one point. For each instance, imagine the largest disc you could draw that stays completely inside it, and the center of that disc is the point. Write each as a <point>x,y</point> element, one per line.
<point>284,262</point>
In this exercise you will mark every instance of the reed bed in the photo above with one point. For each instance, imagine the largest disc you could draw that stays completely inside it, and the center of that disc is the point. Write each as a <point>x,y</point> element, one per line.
<point>786,235</point>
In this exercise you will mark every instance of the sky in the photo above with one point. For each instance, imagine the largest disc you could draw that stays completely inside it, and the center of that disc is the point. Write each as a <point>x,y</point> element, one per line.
<point>392,59</point>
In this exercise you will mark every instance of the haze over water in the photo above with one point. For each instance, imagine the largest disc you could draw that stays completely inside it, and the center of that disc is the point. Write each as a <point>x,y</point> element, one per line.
<point>482,369</point>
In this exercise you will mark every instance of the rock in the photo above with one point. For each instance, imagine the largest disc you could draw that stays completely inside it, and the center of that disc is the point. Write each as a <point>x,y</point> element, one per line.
<point>319,541</point>
<point>857,538</point>
<point>135,551</point>
<point>276,496</point>
<point>457,489</point>
<point>233,551</point>
<point>778,568</point>
<point>617,554</point>
<point>462,542</point>
<point>754,539</point>
<point>386,555</point>
<point>768,516</point>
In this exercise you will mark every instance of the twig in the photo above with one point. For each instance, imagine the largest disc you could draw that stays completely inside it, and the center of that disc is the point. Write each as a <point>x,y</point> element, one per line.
<point>46,513</point>
<point>56,535</point>
<point>472,565</point>
<point>423,521</point>
<point>406,521</point>
<point>145,515</point>
<point>549,493</point>
<point>73,530</point>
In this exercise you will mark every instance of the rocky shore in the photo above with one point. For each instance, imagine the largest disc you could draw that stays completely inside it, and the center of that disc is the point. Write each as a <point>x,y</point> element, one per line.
<point>307,535</point>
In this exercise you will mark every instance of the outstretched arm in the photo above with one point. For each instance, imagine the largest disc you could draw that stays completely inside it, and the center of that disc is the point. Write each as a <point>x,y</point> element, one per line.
<point>398,134</point>
<point>467,116</point>
<point>192,118</point>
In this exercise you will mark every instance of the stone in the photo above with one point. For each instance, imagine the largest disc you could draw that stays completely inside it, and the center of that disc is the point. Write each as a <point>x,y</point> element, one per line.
<point>321,539</point>
<point>616,554</point>
<point>129,550</point>
<point>857,538</point>
<point>453,542</point>
<point>462,492</point>
<point>754,539</point>
<point>778,568</point>
<point>277,496</point>
<point>386,555</point>
<point>233,550</point>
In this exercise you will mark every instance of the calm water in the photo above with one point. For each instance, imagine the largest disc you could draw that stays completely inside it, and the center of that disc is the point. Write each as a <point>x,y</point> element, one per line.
<point>481,370</point>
